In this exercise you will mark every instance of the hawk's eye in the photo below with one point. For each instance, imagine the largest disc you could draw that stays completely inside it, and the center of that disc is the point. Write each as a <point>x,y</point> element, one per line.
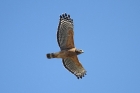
<point>81,50</point>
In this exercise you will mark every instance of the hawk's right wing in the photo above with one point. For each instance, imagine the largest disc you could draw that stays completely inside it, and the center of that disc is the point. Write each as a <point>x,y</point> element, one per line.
<point>74,66</point>
<point>65,32</point>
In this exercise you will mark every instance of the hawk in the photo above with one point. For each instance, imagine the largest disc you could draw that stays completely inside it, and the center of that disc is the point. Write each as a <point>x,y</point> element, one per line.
<point>68,52</point>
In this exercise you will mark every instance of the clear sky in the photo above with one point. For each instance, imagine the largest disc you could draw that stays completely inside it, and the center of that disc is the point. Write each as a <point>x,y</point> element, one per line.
<point>107,30</point>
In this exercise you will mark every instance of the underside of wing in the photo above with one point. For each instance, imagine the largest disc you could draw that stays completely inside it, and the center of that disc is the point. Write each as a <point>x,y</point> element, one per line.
<point>65,32</point>
<point>74,66</point>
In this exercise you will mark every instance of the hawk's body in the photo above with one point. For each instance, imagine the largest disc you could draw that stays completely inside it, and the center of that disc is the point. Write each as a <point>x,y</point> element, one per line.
<point>68,51</point>
<point>64,54</point>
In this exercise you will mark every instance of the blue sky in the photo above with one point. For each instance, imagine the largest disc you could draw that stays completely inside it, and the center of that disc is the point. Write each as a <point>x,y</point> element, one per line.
<point>107,30</point>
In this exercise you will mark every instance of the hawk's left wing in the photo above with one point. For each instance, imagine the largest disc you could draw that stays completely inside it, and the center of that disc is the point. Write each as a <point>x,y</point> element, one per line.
<point>65,32</point>
<point>74,66</point>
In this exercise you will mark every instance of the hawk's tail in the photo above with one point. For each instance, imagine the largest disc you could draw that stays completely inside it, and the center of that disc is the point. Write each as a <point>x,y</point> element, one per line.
<point>51,55</point>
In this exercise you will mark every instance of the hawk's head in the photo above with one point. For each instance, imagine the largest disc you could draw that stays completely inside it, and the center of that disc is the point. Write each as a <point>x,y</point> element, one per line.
<point>79,51</point>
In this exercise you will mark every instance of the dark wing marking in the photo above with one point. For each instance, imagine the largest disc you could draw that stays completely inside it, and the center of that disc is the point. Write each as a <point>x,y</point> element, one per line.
<point>65,32</point>
<point>74,66</point>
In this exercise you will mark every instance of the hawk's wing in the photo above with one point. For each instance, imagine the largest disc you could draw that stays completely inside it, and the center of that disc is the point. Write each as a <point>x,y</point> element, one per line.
<point>65,32</point>
<point>74,66</point>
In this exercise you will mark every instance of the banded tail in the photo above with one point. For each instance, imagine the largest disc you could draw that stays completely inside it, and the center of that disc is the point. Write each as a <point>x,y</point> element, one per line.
<point>51,55</point>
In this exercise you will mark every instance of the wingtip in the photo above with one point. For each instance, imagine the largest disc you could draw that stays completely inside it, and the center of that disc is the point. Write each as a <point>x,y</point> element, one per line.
<point>81,75</point>
<point>65,15</point>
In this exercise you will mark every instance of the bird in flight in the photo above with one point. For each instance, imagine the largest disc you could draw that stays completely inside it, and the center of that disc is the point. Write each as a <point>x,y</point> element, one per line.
<point>68,52</point>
